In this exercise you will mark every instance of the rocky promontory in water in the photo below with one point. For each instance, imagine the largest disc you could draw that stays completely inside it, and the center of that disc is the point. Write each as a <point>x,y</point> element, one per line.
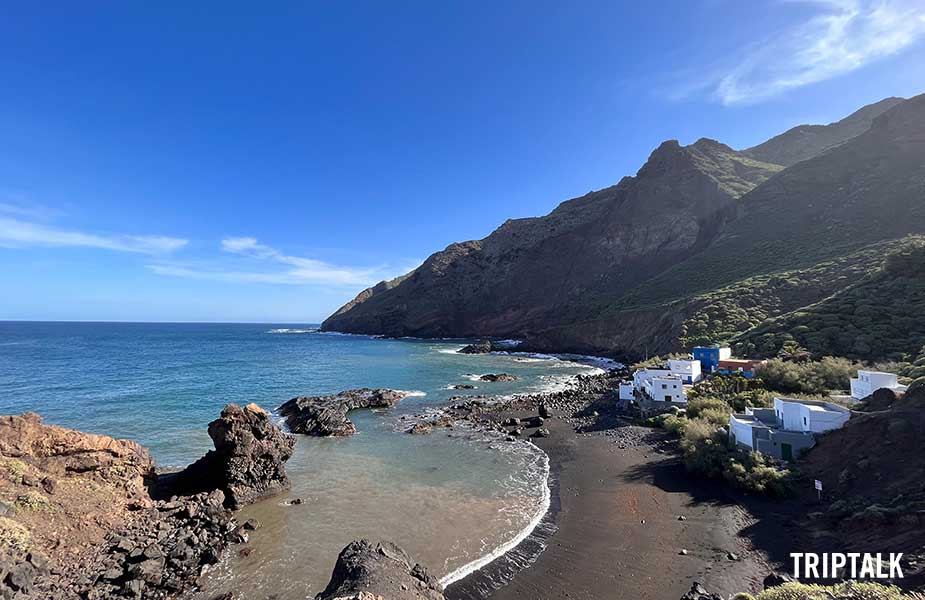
<point>327,415</point>
<point>78,518</point>
<point>367,571</point>
<point>480,347</point>
<point>493,377</point>
<point>248,462</point>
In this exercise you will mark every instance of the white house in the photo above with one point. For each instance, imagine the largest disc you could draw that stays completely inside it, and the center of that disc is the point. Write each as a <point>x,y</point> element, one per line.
<point>788,428</point>
<point>868,382</point>
<point>626,390</point>
<point>666,388</point>
<point>642,376</point>
<point>810,416</point>
<point>689,370</point>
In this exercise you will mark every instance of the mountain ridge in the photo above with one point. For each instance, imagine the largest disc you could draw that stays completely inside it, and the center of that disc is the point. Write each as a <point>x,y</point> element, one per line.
<point>693,219</point>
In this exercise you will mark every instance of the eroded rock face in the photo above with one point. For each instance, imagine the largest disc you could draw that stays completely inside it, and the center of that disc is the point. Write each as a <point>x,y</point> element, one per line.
<point>327,415</point>
<point>83,525</point>
<point>57,452</point>
<point>381,569</point>
<point>248,462</point>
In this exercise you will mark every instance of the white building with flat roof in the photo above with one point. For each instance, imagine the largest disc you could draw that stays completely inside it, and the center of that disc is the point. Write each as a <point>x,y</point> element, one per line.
<point>666,388</point>
<point>688,370</point>
<point>868,382</point>
<point>788,429</point>
<point>642,376</point>
<point>811,416</point>
<point>626,390</point>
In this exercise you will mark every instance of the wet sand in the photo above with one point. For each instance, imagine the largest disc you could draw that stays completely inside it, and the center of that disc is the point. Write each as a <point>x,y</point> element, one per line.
<point>618,533</point>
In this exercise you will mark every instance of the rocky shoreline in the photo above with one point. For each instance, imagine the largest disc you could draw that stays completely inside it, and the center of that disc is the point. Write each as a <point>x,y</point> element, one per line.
<point>168,530</point>
<point>105,525</point>
<point>327,415</point>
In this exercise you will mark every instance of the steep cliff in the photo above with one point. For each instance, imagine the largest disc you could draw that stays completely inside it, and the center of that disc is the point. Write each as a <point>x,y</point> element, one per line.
<point>528,271</point>
<point>626,268</point>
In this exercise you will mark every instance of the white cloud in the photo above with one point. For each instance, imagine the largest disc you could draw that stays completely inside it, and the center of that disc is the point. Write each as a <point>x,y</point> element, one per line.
<point>17,233</point>
<point>844,35</point>
<point>284,268</point>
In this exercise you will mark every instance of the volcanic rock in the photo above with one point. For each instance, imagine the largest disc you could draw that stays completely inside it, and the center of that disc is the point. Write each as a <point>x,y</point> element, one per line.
<point>497,377</point>
<point>327,415</point>
<point>381,569</point>
<point>482,347</point>
<point>248,462</point>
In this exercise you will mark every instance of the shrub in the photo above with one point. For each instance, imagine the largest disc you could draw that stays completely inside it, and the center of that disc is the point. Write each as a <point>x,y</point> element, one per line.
<point>697,406</point>
<point>33,501</point>
<point>14,537</point>
<point>706,453</point>
<point>16,470</point>
<point>817,377</point>
<point>848,590</point>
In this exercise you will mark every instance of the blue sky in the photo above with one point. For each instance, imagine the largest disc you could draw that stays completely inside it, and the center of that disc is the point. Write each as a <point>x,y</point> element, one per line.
<point>210,161</point>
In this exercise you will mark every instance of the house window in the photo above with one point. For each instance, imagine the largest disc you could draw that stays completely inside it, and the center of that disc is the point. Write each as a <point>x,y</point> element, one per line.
<point>664,386</point>
<point>804,420</point>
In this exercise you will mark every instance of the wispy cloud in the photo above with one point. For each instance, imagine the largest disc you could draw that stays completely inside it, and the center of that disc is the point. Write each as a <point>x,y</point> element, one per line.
<point>19,233</point>
<point>260,263</point>
<point>842,36</point>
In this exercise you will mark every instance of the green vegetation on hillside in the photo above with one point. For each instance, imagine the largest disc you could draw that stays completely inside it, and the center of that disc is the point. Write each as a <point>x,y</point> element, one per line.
<point>846,590</point>
<point>812,377</point>
<point>720,316</point>
<point>879,317</point>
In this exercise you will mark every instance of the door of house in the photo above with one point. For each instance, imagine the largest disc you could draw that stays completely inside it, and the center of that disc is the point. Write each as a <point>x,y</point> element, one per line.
<point>786,451</point>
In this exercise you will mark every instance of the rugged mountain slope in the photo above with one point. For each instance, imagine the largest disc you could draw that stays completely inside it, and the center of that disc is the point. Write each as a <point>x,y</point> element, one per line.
<point>630,266</point>
<point>864,192</point>
<point>878,316</point>
<point>530,270</point>
<point>806,141</point>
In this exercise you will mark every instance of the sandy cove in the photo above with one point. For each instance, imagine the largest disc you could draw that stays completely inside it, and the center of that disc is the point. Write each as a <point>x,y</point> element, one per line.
<point>619,495</point>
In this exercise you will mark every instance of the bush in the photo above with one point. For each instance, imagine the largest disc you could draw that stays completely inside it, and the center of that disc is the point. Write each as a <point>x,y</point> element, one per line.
<point>14,537</point>
<point>848,590</point>
<point>706,453</point>
<point>818,377</point>
<point>696,407</point>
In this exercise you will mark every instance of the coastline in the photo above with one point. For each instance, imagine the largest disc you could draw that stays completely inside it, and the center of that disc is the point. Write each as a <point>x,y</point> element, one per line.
<point>614,527</point>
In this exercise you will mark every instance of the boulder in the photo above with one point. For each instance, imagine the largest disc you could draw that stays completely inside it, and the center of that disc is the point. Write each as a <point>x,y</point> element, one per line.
<point>776,579</point>
<point>493,377</point>
<point>481,347</point>
<point>249,460</point>
<point>698,592</point>
<point>327,415</point>
<point>364,570</point>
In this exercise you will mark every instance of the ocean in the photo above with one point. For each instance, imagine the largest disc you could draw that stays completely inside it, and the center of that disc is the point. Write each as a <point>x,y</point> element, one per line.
<point>453,499</point>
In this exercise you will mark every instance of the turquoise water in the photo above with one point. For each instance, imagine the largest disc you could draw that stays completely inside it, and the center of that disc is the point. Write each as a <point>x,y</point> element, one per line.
<point>450,498</point>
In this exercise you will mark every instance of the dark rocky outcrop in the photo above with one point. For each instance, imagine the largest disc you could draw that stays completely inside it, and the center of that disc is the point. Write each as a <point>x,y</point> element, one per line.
<point>698,592</point>
<point>380,570</point>
<point>425,427</point>
<point>493,377</point>
<point>482,347</point>
<point>248,462</point>
<point>327,415</point>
